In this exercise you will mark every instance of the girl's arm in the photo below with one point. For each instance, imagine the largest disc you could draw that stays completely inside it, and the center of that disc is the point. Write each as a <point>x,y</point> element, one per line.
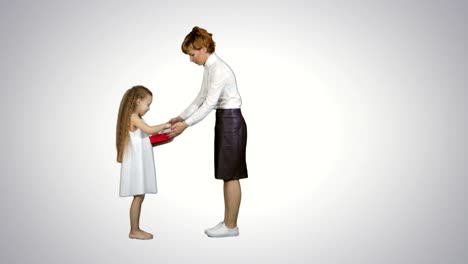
<point>139,123</point>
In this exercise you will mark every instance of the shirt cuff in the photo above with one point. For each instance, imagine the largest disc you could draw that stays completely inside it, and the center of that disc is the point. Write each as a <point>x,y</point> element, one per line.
<point>189,121</point>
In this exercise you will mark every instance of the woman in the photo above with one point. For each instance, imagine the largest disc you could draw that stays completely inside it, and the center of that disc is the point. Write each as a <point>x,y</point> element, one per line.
<point>218,91</point>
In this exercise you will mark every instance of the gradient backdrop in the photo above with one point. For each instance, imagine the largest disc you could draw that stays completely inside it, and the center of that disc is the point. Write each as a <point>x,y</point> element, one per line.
<point>357,118</point>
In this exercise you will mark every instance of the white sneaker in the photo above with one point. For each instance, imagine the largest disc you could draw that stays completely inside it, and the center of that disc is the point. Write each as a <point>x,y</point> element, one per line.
<point>222,231</point>
<point>214,227</point>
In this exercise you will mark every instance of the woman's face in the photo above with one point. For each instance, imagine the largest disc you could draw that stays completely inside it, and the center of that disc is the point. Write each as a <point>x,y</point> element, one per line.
<point>198,56</point>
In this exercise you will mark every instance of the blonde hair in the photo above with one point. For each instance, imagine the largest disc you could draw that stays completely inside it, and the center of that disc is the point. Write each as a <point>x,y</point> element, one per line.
<point>127,107</point>
<point>197,39</point>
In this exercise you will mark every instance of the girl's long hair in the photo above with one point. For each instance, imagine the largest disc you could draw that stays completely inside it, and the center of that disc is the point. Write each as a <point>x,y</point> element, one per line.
<point>127,107</point>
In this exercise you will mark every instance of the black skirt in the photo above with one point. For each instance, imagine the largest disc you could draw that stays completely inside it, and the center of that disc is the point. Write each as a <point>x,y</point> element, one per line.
<point>230,145</point>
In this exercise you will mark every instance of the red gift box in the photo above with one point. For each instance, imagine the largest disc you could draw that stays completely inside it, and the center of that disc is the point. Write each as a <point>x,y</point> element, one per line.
<point>158,139</point>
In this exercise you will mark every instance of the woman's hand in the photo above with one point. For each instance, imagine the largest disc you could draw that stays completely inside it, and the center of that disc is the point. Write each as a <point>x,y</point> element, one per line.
<point>175,120</point>
<point>177,129</point>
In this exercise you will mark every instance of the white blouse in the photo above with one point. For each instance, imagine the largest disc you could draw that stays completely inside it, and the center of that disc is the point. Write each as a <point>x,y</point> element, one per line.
<point>218,90</point>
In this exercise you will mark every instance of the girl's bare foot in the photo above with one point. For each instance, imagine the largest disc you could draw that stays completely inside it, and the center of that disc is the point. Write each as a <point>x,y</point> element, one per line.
<point>140,234</point>
<point>148,234</point>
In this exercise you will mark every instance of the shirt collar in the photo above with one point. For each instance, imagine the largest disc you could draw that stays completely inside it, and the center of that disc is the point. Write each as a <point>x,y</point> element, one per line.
<point>211,59</point>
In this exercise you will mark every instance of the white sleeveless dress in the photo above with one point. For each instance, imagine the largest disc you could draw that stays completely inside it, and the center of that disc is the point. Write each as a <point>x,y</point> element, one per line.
<point>138,174</point>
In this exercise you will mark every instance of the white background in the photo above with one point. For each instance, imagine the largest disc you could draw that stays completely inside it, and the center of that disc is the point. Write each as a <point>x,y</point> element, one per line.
<point>356,114</point>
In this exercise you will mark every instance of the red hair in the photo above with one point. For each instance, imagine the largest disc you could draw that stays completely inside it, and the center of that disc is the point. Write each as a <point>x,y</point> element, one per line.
<point>197,39</point>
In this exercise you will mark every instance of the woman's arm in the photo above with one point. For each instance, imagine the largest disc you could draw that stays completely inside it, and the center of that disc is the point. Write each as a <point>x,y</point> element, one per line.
<point>139,123</point>
<point>215,86</point>
<point>194,105</point>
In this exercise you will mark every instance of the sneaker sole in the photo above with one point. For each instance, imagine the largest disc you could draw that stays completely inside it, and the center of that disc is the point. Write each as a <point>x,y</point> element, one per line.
<point>219,236</point>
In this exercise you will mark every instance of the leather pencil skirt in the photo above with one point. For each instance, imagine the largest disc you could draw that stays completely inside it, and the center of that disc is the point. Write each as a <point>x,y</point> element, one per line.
<point>230,145</point>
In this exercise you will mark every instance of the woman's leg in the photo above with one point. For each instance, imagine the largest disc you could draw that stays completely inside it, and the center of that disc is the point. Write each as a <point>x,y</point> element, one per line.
<point>135,211</point>
<point>232,199</point>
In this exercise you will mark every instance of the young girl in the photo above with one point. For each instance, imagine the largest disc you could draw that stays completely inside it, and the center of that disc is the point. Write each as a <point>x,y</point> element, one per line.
<point>134,151</point>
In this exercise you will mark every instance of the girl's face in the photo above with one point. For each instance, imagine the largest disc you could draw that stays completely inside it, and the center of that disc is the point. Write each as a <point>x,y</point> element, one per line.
<point>143,105</point>
<point>198,56</point>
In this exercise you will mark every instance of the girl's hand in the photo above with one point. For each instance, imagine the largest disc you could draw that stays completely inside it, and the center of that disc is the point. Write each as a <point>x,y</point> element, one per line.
<point>177,129</point>
<point>165,128</point>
